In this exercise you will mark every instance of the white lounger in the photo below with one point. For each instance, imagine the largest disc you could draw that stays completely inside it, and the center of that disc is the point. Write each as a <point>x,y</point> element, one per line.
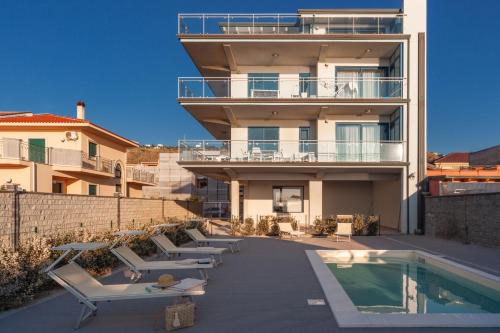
<point>286,228</point>
<point>138,265</point>
<point>200,239</point>
<point>169,248</point>
<point>89,291</point>
<point>344,229</point>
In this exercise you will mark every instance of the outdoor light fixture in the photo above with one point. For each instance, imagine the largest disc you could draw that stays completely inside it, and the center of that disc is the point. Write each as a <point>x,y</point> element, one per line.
<point>275,55</point>
<point>368,111</point>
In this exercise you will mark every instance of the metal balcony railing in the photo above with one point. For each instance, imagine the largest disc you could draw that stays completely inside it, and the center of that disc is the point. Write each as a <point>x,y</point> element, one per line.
<point>275,24</point>
<point>265,87</point>
<point>290,151</point>
<point>138,174</point>
<point>19,150</point>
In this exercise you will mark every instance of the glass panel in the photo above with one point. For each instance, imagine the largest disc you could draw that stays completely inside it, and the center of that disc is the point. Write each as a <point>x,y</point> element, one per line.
<point>391,25</point>
<point>340,25</point>
<point>305,146</point>
<point>92,189</point>
<point>263,140</point>
<point>263,85</point>
<point>348,137</point>
<point>92,149</point>
<point>288,199</point>
<point>366,25</point>
<point>304,84</point>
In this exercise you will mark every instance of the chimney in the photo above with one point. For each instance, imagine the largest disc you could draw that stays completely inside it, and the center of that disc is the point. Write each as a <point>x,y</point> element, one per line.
<point>80,110</point>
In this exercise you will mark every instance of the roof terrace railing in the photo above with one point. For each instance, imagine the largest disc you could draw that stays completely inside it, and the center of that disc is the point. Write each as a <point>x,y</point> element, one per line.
<point>265,87</point>
<point>290,151</point>
<point>275,24</point>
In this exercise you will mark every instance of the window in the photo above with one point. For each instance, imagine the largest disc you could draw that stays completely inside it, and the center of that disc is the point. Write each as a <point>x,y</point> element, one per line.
<point>288,199</point>
<point>263,138</point>
<point>92,189</point>
<point>92,149</point>
<point>361,82</point>
<point>360,142</point>
<point>305,146</point>
<point>57,187</point>
<point>305,84</point>
<point>263,84</point>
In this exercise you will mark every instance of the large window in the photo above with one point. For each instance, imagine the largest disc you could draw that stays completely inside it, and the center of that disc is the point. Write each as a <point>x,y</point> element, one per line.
<point>92,189</point>
<point>305,144</point>
<point>263,85</point>
<point>361,82</point>
<point>287,199</point>
<point>264,139</point>
<point>92,149</point>
<point>360,142</point>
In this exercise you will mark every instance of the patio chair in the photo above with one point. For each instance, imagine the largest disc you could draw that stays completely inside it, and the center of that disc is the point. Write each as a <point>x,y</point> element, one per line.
<point>169,248</point>
<point>344,230</point>
<point>286,228</point>
<point>200,239</point>
<point>138,265</point>
<point>89,291</point>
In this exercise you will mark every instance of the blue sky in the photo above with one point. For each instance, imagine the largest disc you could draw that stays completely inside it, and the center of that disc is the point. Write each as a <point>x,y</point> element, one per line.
<point>123,59</point>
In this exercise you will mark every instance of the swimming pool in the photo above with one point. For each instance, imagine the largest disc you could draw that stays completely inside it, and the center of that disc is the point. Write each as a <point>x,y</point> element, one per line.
<point>394,288</point>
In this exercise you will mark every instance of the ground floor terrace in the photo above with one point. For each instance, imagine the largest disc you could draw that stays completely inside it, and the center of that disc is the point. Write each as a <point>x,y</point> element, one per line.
<point>264,288</point>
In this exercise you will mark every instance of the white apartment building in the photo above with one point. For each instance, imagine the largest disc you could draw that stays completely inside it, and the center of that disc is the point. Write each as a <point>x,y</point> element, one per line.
<point>313,114</point>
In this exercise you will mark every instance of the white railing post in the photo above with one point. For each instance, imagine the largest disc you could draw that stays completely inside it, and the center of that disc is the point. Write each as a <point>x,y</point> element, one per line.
<point>278,24</point>
<point>253,23</point>
<point>203,23</point>
<point>203,87</point>
<point>178,24</point>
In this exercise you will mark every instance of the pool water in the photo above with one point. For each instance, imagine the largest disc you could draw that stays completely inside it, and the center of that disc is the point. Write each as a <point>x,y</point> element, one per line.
<point>406,286</point>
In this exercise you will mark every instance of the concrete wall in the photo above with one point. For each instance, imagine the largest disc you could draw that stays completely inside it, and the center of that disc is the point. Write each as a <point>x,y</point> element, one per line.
<point>470,218</point>
<point>50,214</point>
<point>386,202</point>
<point>347,197</point>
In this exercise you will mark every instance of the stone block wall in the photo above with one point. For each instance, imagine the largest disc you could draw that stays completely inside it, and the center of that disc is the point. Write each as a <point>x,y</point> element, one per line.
<point>469,218</point>
<point>26,214</point>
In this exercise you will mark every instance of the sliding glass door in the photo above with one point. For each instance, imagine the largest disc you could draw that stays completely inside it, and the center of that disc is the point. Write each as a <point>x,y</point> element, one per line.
<point>360,142</point>
<point>263,139</point>
<point>360,82</point>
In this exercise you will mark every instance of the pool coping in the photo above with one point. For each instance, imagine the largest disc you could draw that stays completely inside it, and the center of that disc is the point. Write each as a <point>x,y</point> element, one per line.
<point>347,315</point>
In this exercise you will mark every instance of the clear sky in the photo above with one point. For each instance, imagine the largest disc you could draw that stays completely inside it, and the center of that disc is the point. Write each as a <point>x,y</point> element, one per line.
<point>123,59</point>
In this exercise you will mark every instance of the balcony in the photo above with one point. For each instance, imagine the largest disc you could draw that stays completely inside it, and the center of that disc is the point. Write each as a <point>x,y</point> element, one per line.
<point>276,151</point>
<point>139,175</point>
<point>15,151</point>
<point>286,88</point>
<point>288,24</point>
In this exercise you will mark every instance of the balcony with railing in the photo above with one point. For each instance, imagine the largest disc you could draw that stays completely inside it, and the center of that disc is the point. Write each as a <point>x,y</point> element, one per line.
<point>286,24</point>
<point>137,174</point>
<point>227,151</point>
<point>62,159</point>
<point>286,88</point>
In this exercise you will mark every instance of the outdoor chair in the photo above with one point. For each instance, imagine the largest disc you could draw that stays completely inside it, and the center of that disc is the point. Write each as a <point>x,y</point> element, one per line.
<point>286,228</point>
<point>344,230</point>
<point>200,239</point>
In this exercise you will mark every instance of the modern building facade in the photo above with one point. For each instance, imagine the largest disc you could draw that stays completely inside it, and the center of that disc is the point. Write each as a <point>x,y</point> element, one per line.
<point>56,154</point>
<point>314,114</point>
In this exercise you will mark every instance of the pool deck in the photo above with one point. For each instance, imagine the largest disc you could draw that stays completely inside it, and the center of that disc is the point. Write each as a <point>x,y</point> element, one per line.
<point>262,289</point>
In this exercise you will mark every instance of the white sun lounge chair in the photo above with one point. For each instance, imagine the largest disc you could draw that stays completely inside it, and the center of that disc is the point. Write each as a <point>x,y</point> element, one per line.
<point>286,228</point>
<point>344,230</point>
<point>169,248</point>
<point>200,239</point>
<point>89,291</point>
<point>138,265</point>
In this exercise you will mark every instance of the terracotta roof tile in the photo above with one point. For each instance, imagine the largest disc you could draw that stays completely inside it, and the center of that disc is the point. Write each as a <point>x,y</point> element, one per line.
<point>454,158</point>
<point>42,118</point>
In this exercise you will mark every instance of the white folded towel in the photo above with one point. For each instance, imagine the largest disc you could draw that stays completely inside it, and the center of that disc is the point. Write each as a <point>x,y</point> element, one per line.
<point>187,284</point>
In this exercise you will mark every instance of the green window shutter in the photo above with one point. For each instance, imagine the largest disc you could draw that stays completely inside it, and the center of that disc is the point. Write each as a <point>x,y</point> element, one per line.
<point>36,150</point>
<point>92,189</point>
<point>92,149</point>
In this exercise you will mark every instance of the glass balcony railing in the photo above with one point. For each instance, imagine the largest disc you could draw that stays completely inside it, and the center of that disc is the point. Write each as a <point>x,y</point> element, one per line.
<point>275,24</point>
<point>290,151</point>
<point>348,88</point>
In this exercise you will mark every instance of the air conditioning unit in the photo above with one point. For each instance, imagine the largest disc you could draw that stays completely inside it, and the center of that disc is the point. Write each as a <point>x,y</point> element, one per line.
<point>72,136</point>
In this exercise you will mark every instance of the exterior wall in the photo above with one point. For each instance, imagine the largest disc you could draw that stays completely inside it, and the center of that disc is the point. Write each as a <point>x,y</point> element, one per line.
<point>386,199</point>
<point>50,214</point>
<point>259,198</point>
<point>471,218</point>
<point>134,190</point>
<point>21,175</point>
<point>347,197</point>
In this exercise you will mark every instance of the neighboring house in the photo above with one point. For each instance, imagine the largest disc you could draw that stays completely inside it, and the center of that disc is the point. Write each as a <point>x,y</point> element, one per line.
<point>57,154</point>
<point>458,173</point>
<point>314,114</point>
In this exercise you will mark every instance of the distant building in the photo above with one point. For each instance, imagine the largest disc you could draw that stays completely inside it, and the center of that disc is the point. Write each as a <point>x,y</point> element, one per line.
<point>475,172</point>
<point>56,154</point>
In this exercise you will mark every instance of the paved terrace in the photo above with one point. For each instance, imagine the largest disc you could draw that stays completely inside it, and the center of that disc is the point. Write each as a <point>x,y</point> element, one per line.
<point>262,289</point>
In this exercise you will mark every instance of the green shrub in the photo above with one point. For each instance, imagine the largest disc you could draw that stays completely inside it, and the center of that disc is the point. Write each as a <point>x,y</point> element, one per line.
<point>235,226</point>
<point>274,230</point>
<point>330,224</point>
<point>319,226</point>
<point>263,226</point>
<point>248,227</point>
<point>358,225</point>
<point>372,225</point>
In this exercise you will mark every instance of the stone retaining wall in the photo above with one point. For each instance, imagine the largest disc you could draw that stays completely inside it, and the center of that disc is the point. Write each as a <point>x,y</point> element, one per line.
<point>25,214</point>
<point>470,218</point>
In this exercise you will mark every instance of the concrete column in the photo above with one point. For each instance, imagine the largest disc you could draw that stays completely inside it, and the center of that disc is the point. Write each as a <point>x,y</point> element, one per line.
<point>315,199</point>
<point>235,198</point>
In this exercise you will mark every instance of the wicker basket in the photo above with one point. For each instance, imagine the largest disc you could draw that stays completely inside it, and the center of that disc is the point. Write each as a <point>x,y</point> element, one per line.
<point>179,316</point>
